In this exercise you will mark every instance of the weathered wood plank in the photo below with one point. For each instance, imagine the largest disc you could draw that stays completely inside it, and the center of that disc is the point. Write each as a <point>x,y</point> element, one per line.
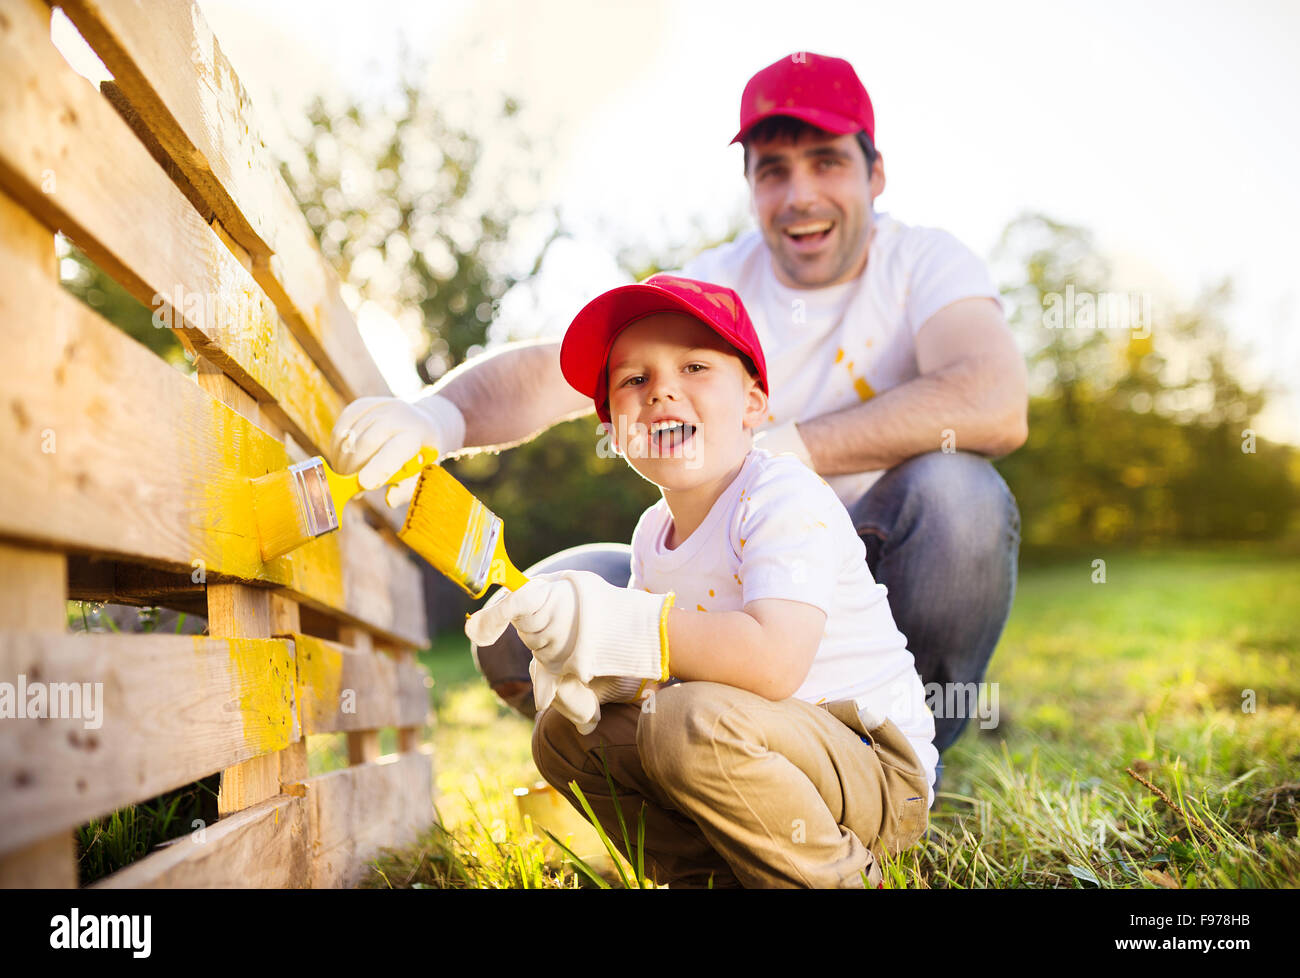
<point>199,115</point>
<point>260,847</point>
<point>58,132</point>
<point>356,812</point>
<point>148,713</point>
<point>184,503</point>
<point>33,584</point>
<point>347,689</point>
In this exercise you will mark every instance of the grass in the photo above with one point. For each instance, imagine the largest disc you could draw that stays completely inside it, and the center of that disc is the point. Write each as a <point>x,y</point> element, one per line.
<point>1148,736</point>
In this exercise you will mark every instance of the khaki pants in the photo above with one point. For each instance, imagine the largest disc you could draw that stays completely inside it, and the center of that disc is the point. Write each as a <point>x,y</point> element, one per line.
<point>742,789</point>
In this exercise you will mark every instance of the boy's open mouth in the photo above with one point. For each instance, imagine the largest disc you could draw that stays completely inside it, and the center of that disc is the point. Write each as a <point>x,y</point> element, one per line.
<point>666,437</point>
<point>809,235</point>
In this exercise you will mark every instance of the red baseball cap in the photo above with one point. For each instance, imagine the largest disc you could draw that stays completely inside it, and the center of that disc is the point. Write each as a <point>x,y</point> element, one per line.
<point>584,353</point>
<point>819,90</point>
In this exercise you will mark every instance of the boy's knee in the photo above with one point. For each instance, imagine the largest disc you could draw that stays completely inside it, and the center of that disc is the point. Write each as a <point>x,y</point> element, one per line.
<point>677,721</point>
<point>555,747</point>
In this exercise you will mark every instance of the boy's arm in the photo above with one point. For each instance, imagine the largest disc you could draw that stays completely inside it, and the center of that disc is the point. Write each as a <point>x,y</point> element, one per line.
<point>767,648</point>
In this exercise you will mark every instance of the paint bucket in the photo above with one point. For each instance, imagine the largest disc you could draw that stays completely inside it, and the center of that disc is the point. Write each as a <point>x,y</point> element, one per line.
<point>542,807</point>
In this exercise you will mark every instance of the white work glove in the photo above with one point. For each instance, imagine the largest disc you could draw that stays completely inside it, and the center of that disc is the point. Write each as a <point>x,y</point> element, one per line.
<point>378,435</point>
<point>574,699</point>
<point>782,439</point>
<point>579,624</point>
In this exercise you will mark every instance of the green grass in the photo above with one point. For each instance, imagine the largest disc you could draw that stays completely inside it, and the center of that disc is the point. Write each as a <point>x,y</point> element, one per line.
<point>1181,667</point>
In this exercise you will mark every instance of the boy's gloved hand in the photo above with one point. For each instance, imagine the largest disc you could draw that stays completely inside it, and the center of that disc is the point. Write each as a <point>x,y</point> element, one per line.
<point>578,623</point>
<point>576,700</point>
<point>378,435</point>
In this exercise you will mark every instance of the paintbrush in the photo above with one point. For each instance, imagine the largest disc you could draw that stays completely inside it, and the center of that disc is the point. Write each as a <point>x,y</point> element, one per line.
<point>457,534</point>
<point>304,501</point>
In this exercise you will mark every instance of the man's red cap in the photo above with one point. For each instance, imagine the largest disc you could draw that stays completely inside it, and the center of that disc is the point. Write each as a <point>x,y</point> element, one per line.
<point>584,353</point>
<point>819,90</point>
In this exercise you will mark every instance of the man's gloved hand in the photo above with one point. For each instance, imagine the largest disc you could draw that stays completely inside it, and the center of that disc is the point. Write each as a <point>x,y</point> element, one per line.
<point>378,435</point>
<point>577,623</point>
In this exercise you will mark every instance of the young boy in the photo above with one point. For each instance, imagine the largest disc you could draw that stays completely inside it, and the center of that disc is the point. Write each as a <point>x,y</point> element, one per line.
<point>793,745</point>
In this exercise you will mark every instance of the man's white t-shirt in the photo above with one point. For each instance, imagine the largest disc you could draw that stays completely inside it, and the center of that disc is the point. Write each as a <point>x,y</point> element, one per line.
<point>778,531</point>
<point>832,348</point>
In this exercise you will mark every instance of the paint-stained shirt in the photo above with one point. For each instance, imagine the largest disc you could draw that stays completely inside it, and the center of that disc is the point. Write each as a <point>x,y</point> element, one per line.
<point>778,531</point>
<point>828,349</point>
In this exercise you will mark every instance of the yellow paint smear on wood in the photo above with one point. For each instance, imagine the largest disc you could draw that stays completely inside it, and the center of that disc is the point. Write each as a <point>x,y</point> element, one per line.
<point>320,676</point>
<point>262,673</point>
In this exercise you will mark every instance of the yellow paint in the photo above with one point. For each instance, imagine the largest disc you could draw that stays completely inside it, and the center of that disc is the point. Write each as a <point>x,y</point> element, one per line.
<point>711,594</point>
<point>449,528</point>
<point>850,365</point>
<point>839,355</point>
<point>320,676</point>
<point>262,677</point>
<point>742,541</point>
<point>245,326</point>
<point>700,607</point>
<point>863,388</point>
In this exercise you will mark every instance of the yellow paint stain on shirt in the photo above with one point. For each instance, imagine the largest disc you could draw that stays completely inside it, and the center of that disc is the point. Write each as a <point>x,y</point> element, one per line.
<point>863,388</point>
<point>742,541</point>
<point>700,607</point>
<point>769,418</point>
<point>839,355</point>
<point>711,594</point>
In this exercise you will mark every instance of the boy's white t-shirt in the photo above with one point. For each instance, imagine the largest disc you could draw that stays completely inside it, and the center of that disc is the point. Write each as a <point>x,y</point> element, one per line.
<point>778,531</point>
<point>832,348</point>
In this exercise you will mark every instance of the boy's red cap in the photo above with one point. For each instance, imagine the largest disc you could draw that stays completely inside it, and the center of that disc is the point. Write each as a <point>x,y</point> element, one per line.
<point>585,350</point>
<point>819,90</point>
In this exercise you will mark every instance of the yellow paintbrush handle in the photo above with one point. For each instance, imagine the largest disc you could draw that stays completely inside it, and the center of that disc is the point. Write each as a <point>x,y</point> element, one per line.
<point>503,571</point>
<point>345,487</point>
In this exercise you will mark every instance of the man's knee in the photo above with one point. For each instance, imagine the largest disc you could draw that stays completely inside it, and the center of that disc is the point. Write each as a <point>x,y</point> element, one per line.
<point>958,495</point>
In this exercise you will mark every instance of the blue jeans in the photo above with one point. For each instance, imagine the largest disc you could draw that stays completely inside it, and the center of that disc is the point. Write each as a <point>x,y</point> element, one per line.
<point>942,533</point>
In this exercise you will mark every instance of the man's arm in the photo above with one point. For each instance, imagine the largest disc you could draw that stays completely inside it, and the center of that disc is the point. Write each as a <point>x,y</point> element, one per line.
<point>511,395</point>
<point>973,381</point>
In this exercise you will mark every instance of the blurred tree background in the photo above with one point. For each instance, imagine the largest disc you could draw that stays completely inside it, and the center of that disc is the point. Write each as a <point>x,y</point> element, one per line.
<point>1137,437</point>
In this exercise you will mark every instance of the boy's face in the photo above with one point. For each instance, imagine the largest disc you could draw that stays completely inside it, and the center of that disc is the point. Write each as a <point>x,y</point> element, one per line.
<point>671,367</point>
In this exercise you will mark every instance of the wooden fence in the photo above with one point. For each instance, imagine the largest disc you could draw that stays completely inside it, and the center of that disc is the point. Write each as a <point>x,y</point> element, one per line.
<point>123,480</point>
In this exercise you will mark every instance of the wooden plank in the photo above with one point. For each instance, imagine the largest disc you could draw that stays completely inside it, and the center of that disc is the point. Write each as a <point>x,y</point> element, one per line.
<point>33,584</point>
<point>243,611</point>
<point>260,847</point>
<point>196,111</point>
<point>356,812</point>
<point>50,864</point>
<point>346,689</point>
<point>57,131</point>
<point>184,503</point>
<point>160,711</point>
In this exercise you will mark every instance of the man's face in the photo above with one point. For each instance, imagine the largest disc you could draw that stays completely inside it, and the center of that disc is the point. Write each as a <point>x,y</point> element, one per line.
<point>671,367</point>
<point>813,198</point>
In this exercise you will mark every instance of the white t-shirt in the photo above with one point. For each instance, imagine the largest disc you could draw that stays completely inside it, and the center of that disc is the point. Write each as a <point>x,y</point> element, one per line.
<point>829,349</point>
<point>778,531</point>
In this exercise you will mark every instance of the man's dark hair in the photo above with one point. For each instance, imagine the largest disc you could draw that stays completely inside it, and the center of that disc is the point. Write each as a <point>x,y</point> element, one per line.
<point>786,128</point>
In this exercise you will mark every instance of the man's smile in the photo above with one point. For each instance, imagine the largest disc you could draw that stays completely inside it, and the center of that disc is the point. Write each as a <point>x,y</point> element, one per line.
<point>808,236</point>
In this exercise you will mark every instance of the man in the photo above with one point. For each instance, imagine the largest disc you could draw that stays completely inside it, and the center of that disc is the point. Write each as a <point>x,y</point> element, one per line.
<point>894,376</point>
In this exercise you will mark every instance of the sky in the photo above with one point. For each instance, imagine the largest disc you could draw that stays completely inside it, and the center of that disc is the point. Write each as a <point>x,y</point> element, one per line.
<point>1165,128</point>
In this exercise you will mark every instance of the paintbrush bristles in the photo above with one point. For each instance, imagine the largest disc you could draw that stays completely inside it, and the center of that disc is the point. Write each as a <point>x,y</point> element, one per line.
<point>451,529</point>
<point>282,524</point>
